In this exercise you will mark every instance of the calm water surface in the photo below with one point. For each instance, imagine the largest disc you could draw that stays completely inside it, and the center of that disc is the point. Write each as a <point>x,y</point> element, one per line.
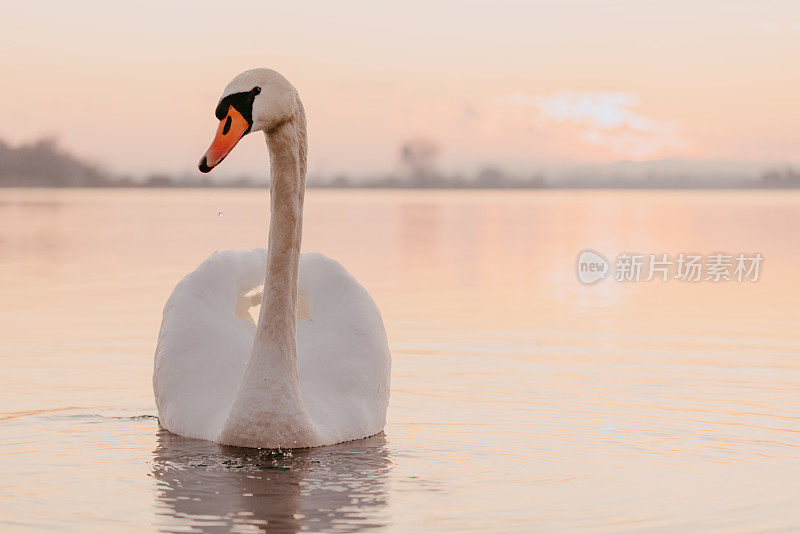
<point>521,399</point>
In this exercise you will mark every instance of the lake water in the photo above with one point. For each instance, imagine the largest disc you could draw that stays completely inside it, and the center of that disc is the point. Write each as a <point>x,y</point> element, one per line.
<point>522,400</point>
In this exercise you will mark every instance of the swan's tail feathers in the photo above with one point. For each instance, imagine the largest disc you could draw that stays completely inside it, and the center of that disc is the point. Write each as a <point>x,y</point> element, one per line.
<point>255,299</point>
<point>246,302</point>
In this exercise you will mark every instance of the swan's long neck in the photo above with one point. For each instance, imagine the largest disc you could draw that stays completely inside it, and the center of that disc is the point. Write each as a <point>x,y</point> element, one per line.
<point>269,410</point>
<point>277,319</point>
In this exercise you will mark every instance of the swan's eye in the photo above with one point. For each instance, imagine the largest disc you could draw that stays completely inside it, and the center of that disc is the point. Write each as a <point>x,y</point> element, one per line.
<point>227,127</point>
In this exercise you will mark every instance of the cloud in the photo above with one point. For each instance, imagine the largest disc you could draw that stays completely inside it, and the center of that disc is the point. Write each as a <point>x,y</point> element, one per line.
<point>771,26</point>
<point>604,119</point>
<point>768,26</point>
<point>604,110</point>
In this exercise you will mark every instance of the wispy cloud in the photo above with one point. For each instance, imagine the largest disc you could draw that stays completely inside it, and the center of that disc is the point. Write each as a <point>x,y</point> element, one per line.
<point>605,119</point>
<point>772,26</point>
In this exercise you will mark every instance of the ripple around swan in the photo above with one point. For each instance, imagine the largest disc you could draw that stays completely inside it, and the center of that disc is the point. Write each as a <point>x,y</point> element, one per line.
<point>72,413</point>
<point>214,488</point>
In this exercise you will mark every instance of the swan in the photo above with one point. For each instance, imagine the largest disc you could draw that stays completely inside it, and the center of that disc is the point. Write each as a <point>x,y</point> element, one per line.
<point>315,368</point>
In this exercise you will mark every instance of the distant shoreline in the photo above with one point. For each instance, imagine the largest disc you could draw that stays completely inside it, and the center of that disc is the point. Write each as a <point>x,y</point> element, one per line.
<point>736,187</point>
<point>42,164</point>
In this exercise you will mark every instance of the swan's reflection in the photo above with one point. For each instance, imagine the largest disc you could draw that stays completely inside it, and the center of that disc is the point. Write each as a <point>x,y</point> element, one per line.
<point>205,487</point>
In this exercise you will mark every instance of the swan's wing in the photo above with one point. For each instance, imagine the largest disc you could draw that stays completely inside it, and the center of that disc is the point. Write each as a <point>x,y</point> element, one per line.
<point>343,355</point>
<point>203,345</point>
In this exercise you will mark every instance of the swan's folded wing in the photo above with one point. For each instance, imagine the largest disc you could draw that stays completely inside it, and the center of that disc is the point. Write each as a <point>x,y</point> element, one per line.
<point>343,354</point>
<point>203,345</point>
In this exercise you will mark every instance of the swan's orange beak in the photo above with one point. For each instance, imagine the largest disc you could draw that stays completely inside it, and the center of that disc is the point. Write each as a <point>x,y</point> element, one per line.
<point>231,129</point>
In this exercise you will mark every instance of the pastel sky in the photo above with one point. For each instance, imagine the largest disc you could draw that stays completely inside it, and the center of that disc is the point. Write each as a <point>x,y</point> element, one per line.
<point>133,85</point>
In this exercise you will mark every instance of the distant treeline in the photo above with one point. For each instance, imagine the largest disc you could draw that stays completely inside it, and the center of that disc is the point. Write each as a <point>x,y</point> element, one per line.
<point>44,164</point>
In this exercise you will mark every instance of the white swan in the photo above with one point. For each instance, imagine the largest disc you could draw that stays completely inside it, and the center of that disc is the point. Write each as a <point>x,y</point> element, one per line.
<point>317,378</point>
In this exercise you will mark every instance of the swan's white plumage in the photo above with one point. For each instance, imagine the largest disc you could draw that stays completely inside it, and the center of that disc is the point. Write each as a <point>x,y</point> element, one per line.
<point>342,353</point>
<point>319,380</point>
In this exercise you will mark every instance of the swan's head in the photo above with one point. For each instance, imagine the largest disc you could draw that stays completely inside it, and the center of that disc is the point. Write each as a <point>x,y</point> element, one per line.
<point>258,99</point>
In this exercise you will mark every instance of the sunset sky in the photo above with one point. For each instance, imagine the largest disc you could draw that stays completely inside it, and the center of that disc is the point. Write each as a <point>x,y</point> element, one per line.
<point>133,86</point>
